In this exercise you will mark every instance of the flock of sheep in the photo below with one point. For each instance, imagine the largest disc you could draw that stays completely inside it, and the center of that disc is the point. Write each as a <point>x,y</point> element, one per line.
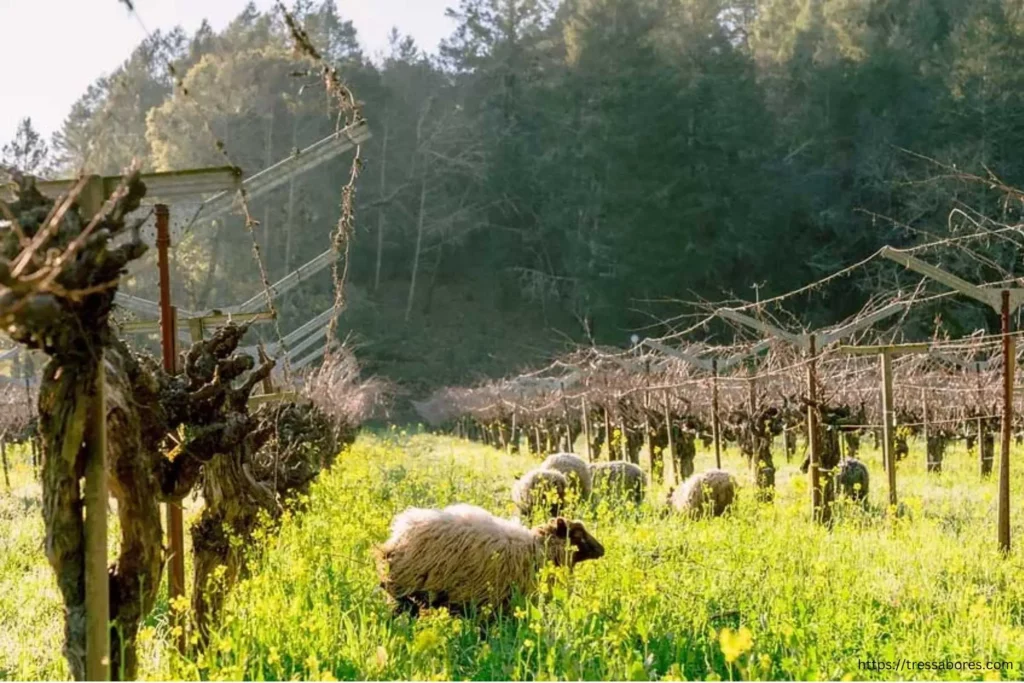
<point>463,556</point>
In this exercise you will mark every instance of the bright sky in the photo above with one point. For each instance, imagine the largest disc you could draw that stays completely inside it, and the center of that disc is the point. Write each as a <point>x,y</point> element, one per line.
<point>75,41</point>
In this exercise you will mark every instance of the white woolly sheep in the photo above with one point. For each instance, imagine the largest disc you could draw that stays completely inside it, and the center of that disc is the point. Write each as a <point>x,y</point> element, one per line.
<point>463,555</point>
<point>539,487</point>
<point>619,477</point>
<point>575,469</point>
<point>710,492</point>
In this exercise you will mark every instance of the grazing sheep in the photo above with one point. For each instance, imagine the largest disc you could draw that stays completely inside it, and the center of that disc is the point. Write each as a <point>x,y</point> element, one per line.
<point>619,478</point>
<point>575,469</point>
<point>851,473</point>
<point>463,555</point>
<point>535,488</point>
<point>710,492</point>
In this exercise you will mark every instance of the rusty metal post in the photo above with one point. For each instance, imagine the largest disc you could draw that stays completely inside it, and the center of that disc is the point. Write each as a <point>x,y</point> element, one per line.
<point>168,332</point>
<point>716,425</point>
<point>887,424</point>
<point>812,429</point>
<point>1004,453</point>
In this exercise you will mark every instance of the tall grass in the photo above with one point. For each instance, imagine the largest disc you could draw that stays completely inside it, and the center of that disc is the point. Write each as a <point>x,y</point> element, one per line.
<point>760,594</point>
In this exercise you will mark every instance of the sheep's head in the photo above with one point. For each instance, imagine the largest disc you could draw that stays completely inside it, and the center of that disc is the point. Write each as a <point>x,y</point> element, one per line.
<point>560,532</point>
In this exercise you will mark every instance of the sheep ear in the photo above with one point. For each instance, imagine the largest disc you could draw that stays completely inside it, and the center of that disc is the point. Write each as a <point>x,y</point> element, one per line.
<point>561,527</point>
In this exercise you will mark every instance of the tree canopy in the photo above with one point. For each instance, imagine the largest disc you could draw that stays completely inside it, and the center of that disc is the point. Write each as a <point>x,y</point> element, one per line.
<point>567,169</point>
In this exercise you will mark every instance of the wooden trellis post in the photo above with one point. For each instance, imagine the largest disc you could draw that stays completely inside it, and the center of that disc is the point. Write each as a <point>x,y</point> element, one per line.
<point>1003,302</point>
<point>569,441</point>
<point>888,457</point>
<point>623,440</point>
<point>925,431</point>
<point>668,457</point>
<point>817,508</point>
<point>716,420</point>
<point>586,428</point>
<point>513,442</point>
<point>753,395</point>
<point>608,434</point>
<point>3,456</point>
<point>97,588</point>
<point>647,420</point>
<point>1009,358</point>
<point>984,463</point>
<point>754,464</point>
<point>97,584</point>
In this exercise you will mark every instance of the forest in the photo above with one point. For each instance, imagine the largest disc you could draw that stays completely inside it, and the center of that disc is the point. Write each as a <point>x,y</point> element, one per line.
<point>567,172</point>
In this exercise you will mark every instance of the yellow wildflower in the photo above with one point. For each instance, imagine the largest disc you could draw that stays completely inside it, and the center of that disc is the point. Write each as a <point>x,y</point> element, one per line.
<point>735,643</point>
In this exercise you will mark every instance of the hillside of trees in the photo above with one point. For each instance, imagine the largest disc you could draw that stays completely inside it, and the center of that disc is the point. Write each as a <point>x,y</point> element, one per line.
<point>566,171</point>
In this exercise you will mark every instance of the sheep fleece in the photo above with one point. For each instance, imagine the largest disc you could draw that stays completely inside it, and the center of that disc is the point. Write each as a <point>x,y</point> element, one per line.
<point>569,465</point>
<point>711,491</point>
<point>532,488</point>
<point>621,478</point>
<point>462,552</point>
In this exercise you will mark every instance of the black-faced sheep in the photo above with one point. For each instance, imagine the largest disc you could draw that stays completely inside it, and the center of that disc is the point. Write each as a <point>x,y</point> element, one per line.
<point>710,492</point>
<point>540,487</point>
<point>619,478</point>
<point>575,469</point>
<point>463,555</point>
<point>853,479</point>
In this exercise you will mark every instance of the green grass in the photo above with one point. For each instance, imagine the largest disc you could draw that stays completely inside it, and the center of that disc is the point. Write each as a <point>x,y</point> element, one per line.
<point>760,594</point>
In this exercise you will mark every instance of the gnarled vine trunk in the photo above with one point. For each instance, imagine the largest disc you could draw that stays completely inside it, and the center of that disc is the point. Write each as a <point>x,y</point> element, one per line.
<point>58,277</point>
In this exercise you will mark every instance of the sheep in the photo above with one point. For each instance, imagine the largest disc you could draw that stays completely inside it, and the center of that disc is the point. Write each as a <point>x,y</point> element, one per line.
<point>536,486</point>
<point>619,477</point>
<point>464,556</point>
<point>575,469</point>
<point>853,479</point>
<point>845,478</point>
<point>710,492</point>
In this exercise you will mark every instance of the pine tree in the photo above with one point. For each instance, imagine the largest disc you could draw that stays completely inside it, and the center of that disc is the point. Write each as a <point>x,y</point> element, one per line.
<point>27,152</point>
